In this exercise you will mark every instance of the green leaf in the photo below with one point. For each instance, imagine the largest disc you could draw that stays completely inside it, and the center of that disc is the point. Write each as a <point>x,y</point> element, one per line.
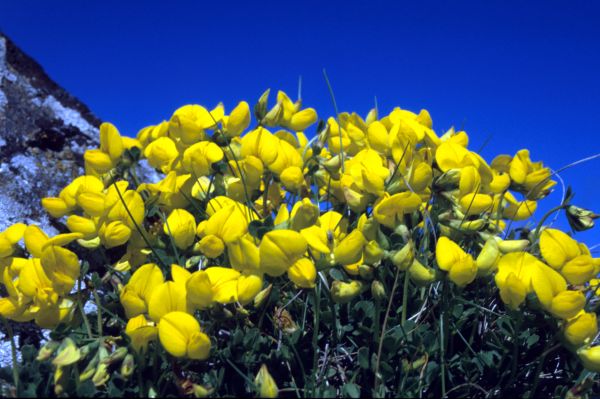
<point>363,358</point>
<point>350,389</point>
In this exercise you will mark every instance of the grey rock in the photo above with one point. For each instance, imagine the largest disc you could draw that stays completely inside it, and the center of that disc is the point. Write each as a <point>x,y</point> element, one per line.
<point>43,133</point>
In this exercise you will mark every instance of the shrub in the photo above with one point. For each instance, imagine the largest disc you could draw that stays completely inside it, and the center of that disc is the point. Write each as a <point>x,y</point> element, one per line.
<point>376,258</point>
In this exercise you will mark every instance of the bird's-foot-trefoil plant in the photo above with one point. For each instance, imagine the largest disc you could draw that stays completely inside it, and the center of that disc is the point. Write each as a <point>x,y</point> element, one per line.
<point>370,257</point>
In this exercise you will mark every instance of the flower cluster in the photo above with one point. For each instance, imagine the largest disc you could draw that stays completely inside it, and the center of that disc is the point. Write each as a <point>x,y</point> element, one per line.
<point>239,209</point>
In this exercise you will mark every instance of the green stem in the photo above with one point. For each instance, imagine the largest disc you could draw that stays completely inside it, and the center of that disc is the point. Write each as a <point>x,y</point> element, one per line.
<point>538,370</point>
<point>404,298</point>
<point>546,216</point>
<point>443,338</point>
<point>98,311</point>
<point>315,337</point>
<point>383,328</point>
<point>158,258</point>
<point>13,354</point>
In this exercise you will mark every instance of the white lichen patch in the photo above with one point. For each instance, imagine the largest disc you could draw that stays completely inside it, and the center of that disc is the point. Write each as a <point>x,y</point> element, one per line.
<point>69,116</point>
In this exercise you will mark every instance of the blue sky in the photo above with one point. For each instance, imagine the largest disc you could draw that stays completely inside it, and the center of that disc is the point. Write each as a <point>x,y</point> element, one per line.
<point>521,74</point>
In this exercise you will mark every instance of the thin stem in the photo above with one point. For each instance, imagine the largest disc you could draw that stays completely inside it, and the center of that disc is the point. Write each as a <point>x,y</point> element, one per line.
<point>443,339</point>
<point>404,298</point>
<point>160,260</point>
<point>385,320</point>
<point>13,354</point>
<point>99,310</point>
<point>315,337</point>
<point>337,114</point>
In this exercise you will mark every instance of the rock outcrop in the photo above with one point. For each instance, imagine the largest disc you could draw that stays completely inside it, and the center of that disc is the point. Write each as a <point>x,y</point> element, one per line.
<point>44,132</point>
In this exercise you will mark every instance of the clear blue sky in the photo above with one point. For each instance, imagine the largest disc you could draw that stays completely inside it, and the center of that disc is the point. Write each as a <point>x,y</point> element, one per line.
<point>523,73</point>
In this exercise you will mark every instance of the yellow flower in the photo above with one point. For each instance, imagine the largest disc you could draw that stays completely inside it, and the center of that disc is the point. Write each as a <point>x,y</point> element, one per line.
<point>451,258</point>
<point>243,254</point>
<point>517,210</point>
<point>512,291</point>
<point>238,120</point>
<point>292,178</point>
<point>61,266</point>
<point>590,357</point>
<point>141,331</point>
<point>97,162</point>
<point>114,234</point>
<point>181,225</point>
<point>228,223</point>
<point>85,226</point>
<point>165,298</point>
<point>535,276</point>
<point>137,292</point>
<point>531,177</point>
<point>579,269</point>
<point>349,250</point>
<point>161,153</point>
<point>56,207</point>
<point>567,304</point>
<point>558,248</point>
<point>198,158</point>
<point>304,214</point>
<point>248,286</point>
<point>279,249</point>
<point>199,290</point>
<point>180,335</point>
<point>390,210</point>
<point>450,155</point>
<point>474,204</point>
<point>224,283</point>
<point>111,142</point>
<point>267,388</point>
<point>581,328</point>
<point>303,273</point>
<point>211,246</point>
<point>189,122</point>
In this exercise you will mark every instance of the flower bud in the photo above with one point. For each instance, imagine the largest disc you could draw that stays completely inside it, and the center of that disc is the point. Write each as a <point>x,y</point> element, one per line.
<point>421,274</point>
<point>273,117</point>
<point>448,180</point>
<point>262,296</point>
<point>127,366</point>
<point>373,253</point>
<point>507,246</point>
<point>342,292</point>
<point>201,391</point>
<point>580,219</point>
<point>378,290</point>
<point>488,258</point>
<point>403,258</point>
<point>90,369</point>
<point>260,109</point>
<point>101,375</point>
<point>68,353</point>
<point>365,271</point>
<point>115,357</point>
<point>47,350</point>
<point>267,388</point>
